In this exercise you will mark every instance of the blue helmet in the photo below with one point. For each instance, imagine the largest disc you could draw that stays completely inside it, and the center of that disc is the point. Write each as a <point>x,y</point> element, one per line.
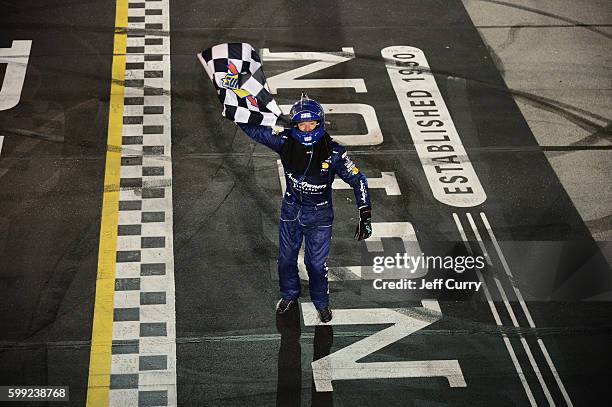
<point>307,110</point>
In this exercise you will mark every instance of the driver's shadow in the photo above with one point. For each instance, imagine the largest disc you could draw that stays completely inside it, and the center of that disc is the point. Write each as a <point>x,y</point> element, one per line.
<point>289,385</point>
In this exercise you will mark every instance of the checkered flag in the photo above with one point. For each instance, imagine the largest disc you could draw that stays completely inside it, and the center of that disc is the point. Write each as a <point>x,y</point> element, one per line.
<point>235,70</point>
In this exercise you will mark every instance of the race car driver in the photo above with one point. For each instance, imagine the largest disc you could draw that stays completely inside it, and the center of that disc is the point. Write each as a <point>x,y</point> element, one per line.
<point>311,159</point>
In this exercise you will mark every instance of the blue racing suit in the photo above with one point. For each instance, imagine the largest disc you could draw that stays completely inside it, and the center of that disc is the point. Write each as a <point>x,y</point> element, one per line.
<point>307,213</point>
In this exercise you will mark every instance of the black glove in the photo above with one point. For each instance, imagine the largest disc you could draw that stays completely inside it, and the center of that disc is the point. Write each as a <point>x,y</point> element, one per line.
<point>283,121</point>
<point>364,229</point>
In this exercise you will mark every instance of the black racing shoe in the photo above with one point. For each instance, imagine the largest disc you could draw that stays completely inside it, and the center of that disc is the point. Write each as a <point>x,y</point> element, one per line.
<point>283,305</point>
<point>325,314</point>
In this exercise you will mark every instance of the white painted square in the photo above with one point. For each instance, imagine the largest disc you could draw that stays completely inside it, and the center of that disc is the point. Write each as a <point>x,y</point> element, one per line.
<point>129,217</point>
<point>136,26</point>
<point>157,161</point>
<point>135,57</point>
<point>155,119</point>
<point>156,255</point>
<point>155,205</point>
<point>132,130</point>
<point>152,229</point>
<point>131,150</point>
<point>155,283</point>
<point>157,49</point>
<point>129,194</point>
<point>156,66</point>
<point>125,363</point>
<point>155,313</point>
<point>135,42</point>
<point>127,298</point>
<point>155,345</point>
<point>124,330</point>
<point>123,397</point>
<point>155,140</point>
<point>134,74</point>
<point>131,171</point>
<point>157,100</point>
<point>132,110</point>
<point>125,243</point>
<point>133,92</point>
<point>127,270</point>
<point>157,379</point>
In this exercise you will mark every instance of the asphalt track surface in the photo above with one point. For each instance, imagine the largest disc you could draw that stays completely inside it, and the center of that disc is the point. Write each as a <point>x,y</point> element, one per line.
<point>231,348</point>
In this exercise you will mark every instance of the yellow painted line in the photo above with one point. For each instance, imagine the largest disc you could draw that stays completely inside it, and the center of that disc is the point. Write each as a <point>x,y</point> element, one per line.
<point>102,332</point>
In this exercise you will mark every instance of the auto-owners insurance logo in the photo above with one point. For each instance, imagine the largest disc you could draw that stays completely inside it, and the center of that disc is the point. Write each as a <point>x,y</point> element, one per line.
<point>448,169</point>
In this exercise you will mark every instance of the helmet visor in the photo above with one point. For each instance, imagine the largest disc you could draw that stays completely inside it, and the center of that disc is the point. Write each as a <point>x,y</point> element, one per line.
<point>307,126</point>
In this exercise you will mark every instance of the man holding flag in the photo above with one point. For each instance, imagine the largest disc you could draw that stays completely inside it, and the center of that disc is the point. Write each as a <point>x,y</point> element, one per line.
<point>310,158</point>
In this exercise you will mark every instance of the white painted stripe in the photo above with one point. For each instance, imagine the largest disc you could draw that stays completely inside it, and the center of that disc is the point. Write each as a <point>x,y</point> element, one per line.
<point>479,239</point>
<point>526,347</point>
<point>518,294</point>
<point>508,306</point>
<point>1,142</point>
<point>498,321</point>
<point>551,365</point>
<point>462,233</point>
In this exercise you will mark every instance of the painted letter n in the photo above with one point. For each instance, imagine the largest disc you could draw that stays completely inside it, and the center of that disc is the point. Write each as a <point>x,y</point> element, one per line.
<point>342,364</point>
